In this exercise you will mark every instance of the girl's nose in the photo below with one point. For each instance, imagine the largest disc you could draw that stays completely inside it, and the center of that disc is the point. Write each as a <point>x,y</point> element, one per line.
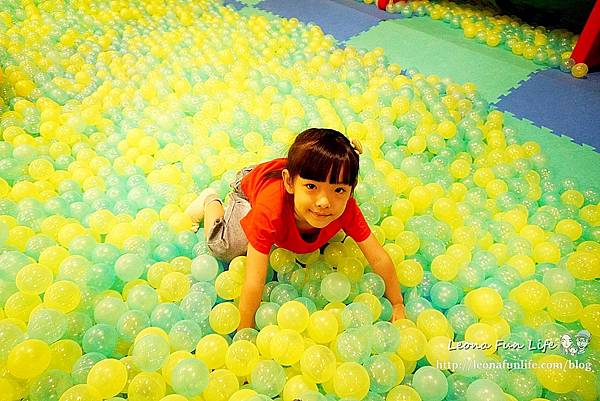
<point>322,201</point>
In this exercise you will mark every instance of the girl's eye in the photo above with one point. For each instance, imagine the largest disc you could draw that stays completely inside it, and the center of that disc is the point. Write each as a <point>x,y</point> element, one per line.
<point>311,186</point>
<point>340,190</point>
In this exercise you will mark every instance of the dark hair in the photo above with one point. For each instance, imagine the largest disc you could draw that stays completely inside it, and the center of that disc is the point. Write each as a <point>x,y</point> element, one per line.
<point>321,153</point>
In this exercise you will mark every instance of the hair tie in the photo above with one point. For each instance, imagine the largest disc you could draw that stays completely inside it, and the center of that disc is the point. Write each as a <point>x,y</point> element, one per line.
<point>357,146</point>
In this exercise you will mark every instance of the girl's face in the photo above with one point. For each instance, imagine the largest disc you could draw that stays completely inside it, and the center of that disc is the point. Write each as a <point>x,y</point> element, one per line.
<point>316,203</point>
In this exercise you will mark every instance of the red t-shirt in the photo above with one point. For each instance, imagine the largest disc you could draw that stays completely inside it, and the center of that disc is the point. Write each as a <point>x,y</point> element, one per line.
<point>271,220</point>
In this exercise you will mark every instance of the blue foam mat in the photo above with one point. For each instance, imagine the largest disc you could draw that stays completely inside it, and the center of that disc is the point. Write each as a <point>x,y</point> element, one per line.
<point>234,3</point>
<point>556,100</point>
<point>368,9</point>
<point>334,18</point>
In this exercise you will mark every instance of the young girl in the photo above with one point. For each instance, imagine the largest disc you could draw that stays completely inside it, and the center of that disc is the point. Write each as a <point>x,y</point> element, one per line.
<point>299,204</point>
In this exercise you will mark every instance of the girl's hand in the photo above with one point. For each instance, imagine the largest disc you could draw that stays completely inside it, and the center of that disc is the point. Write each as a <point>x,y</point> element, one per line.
<point>398,312</point>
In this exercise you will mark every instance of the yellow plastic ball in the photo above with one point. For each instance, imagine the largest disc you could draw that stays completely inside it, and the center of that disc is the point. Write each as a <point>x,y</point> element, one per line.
<point>175,397</point>
<point>69,232</point>
<point>263,340</point>
<point>421,199</point>
<point>579,70</point>
<point>570,228</point>
<point>409,241</point>
<point>146,386</point>
<point>174,286</point>
<point>241,357</point>
<point>554,373</point>
<point>20,305</point>
<point>224,318</point>
<point>546,252</point>
<point>151,330</point>
<point>410,273</point>
<point>403,393</point>
<point>416,144</point>
<point>523,264</point>
<point>484,302</point>
<point>64,354</point>
<point>352,267</point>
<point>403,208</point>
<point>211,350</point>
<point>28,359</point>
<point>34,279</point>
<point>444,267</point>
<point>564,307</point>
<point>531,295</point>
<point>293,315</point>
<point>590,319</point>
<point>572,197</point>
<point>372,301</point>
<point>584,265</point>
<point>322,326</point>
<point>63,295</point>
<point>318,363</point>
<point>432,323</point>
<point>81,392</point>
<point>437,350</point>
<point>40,169</point>
<point>108,376</point>
<point>296,387</point>
<point>286,347</point>
<point>484,335</point>
<point>412,344</point>
<point>351,380</point>
<point>392,226</point>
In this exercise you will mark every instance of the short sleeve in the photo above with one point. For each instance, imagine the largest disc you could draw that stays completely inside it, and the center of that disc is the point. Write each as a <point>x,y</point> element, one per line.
<point>354,223</point>
<point>259,228</point>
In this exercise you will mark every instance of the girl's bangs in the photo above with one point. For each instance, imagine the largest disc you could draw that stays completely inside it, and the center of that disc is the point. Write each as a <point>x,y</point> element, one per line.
<point>328,167</point>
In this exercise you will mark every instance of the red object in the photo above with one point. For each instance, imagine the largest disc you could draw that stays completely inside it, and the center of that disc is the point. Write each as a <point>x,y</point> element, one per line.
<point>587,49</point>
<point>382,4</point>
<point>271,219</point>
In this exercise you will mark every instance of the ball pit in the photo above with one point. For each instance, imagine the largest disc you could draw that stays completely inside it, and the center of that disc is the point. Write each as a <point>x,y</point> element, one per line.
<point>546,47</point>
<point>114,115</point>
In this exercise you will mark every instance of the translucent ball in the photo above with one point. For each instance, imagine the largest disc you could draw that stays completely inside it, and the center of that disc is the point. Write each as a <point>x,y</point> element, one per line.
<point>241,357</point>
<point>150,352</point>
<point>335,287</point>
<point>382,373</point>
<point>224,318</point>
<point>268,377</point>
<point>322,326</point>
<point>286,347</point>
<point>108,376</point>
<point>28,359</point>
<point>190,377</point>
<point>211,350</point>
<point>204,268</point>
<point>318,363</point>
<point>293,315</point>
<point>351,380</point>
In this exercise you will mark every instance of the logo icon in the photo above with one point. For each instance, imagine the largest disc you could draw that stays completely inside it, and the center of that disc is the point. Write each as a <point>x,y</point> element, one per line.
<point>575,345</point>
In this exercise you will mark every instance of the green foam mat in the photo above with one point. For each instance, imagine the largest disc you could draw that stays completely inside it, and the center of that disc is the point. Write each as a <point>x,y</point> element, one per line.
<point>565,158</point>
<point>248,11</point>
<point>250,2</point>
<point>434,47</point>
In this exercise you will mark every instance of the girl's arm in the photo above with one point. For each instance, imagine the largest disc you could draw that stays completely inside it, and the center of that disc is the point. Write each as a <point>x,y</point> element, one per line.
<point>382,264</point>
<point>256,273</point>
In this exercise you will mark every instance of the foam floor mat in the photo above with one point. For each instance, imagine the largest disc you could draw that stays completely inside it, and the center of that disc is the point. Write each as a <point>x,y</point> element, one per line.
<point>435,48</point>
<point>235,3</point>
<point>564,158</point>
<point>556,100</point>
<point>334,18</point>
